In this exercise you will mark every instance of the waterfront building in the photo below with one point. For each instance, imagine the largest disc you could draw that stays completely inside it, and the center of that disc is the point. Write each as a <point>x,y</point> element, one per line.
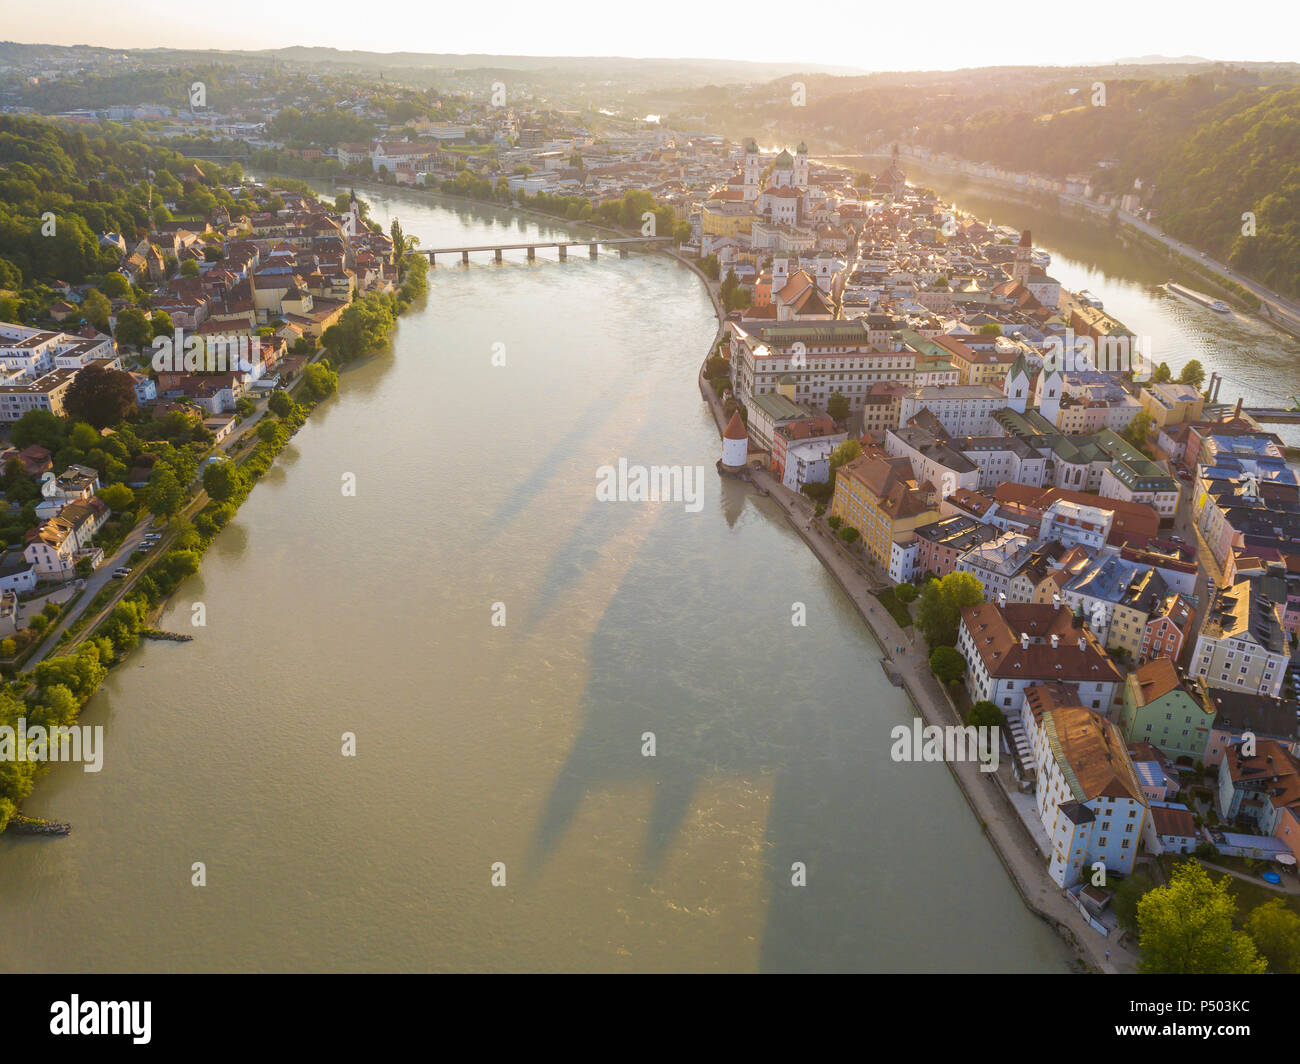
<point>1088,795</point>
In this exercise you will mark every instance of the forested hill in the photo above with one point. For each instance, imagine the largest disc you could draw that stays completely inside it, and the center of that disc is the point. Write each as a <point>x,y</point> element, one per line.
<point>90,184</point>
<point>1201,153</point>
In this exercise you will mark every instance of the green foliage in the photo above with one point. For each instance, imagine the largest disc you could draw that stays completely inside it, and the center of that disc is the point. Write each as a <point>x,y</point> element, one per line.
<point>102,397</point>
<point>1275,930</point>
<point>906,593</point>
<point>1193,373</point>
<point>281,403</point>
<point>983,714</point>
<point>164,493</point>
<point>947,664</point>
<point>1185,928</point>
<point>837,406</point>
<point>223,481</point>
<point>1139,429</point>
<point>363,328</point>
<point>850,534</point>
<point>835,521</point>
<point>1127,895</point>
<point>318,381</point>
<point>941,602</point>
<point>134,329</point>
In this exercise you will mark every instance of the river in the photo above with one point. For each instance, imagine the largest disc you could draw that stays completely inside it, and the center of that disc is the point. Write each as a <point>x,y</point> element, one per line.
<point>520,744</point>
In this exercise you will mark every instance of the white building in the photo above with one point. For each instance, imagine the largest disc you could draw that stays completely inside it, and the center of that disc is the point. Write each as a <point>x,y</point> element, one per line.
<point>966,410</point>
<point>1088,795</point>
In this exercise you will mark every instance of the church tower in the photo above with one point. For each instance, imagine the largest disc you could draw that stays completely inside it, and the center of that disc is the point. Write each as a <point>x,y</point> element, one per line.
<point>1017,385</point>
<point>1047,392</point>
<point>1024,258</point>
<point>801,166</point>
<point>753,171</point>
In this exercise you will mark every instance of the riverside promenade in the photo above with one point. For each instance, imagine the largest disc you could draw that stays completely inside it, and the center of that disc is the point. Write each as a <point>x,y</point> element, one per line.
<point>906,663</point>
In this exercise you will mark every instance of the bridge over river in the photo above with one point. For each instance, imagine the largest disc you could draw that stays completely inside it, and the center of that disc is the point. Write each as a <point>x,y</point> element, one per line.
<point>593,247</point>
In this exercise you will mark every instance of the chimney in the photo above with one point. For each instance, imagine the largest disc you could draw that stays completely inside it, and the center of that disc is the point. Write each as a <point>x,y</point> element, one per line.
<point>1024,640</point>
<point>1237,412</point>
<point>1056,641</point>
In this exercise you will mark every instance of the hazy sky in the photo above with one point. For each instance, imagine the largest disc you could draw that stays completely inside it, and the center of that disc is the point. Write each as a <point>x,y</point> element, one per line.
<point>941,34</point>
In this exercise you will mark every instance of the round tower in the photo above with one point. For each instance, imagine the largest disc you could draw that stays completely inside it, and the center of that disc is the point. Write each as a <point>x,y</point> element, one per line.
<point>735,443</point>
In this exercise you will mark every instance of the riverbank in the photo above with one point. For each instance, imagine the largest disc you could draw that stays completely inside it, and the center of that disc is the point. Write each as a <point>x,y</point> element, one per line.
<point>95,645</point>
<point>905,663</point>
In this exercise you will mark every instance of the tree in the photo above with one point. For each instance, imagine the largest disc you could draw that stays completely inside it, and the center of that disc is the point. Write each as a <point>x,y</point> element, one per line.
<point>983,714</point>
<point>939,610</point>
<point>190,268</point>
<point>837,407</point>
<point>133,328</point>
<point>1127,895</point>
<point>281,403</point>
<point>1193,374</point>
<point>115,286</point>
<point>117,497</point>
<point>223,481</point>
<point>842,455</point>
<point>164,493</point>
<point>849,534</point>
<point>40,427</point>
<point>96,309</point>
<point>102,397</point>
<point>1275,930</point>
<point>906,593</point>
<point>1162,374</point>
<point>162,324</point>
<point>319,381</point>
<point>947,664</point>
<point>1139,429</point>
<point>1185,928</point>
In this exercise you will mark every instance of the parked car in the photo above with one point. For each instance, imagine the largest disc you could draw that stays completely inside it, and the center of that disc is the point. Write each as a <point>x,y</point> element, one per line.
<point>120,572</point>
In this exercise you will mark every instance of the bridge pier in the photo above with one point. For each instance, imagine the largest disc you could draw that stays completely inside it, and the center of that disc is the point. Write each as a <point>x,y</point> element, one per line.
<point>498,254</point>
<point>464,258</point>
<point>594,249</point>
<point>564,252</point>
<point>532,253</point>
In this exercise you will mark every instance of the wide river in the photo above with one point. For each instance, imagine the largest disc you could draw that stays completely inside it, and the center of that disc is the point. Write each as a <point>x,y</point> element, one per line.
<point>519,744</point>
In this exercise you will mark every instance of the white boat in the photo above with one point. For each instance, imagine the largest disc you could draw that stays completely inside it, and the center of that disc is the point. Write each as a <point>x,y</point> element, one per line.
<point>1216,305</point>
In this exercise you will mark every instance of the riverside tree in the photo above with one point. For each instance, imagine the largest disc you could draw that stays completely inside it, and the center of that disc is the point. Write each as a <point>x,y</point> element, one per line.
<point>1185,928</point>
<point>938,611</point>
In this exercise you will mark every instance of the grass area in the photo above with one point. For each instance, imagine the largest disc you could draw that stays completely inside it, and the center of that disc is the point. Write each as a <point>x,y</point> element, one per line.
<point>1248,895</point>
<point>902,616</point>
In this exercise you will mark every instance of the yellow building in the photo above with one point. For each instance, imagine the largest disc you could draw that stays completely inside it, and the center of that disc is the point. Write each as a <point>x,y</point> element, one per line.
<point>881,499</point>
<point>978,367</point>
<point>719,220</point>
<point>1172,404</point>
